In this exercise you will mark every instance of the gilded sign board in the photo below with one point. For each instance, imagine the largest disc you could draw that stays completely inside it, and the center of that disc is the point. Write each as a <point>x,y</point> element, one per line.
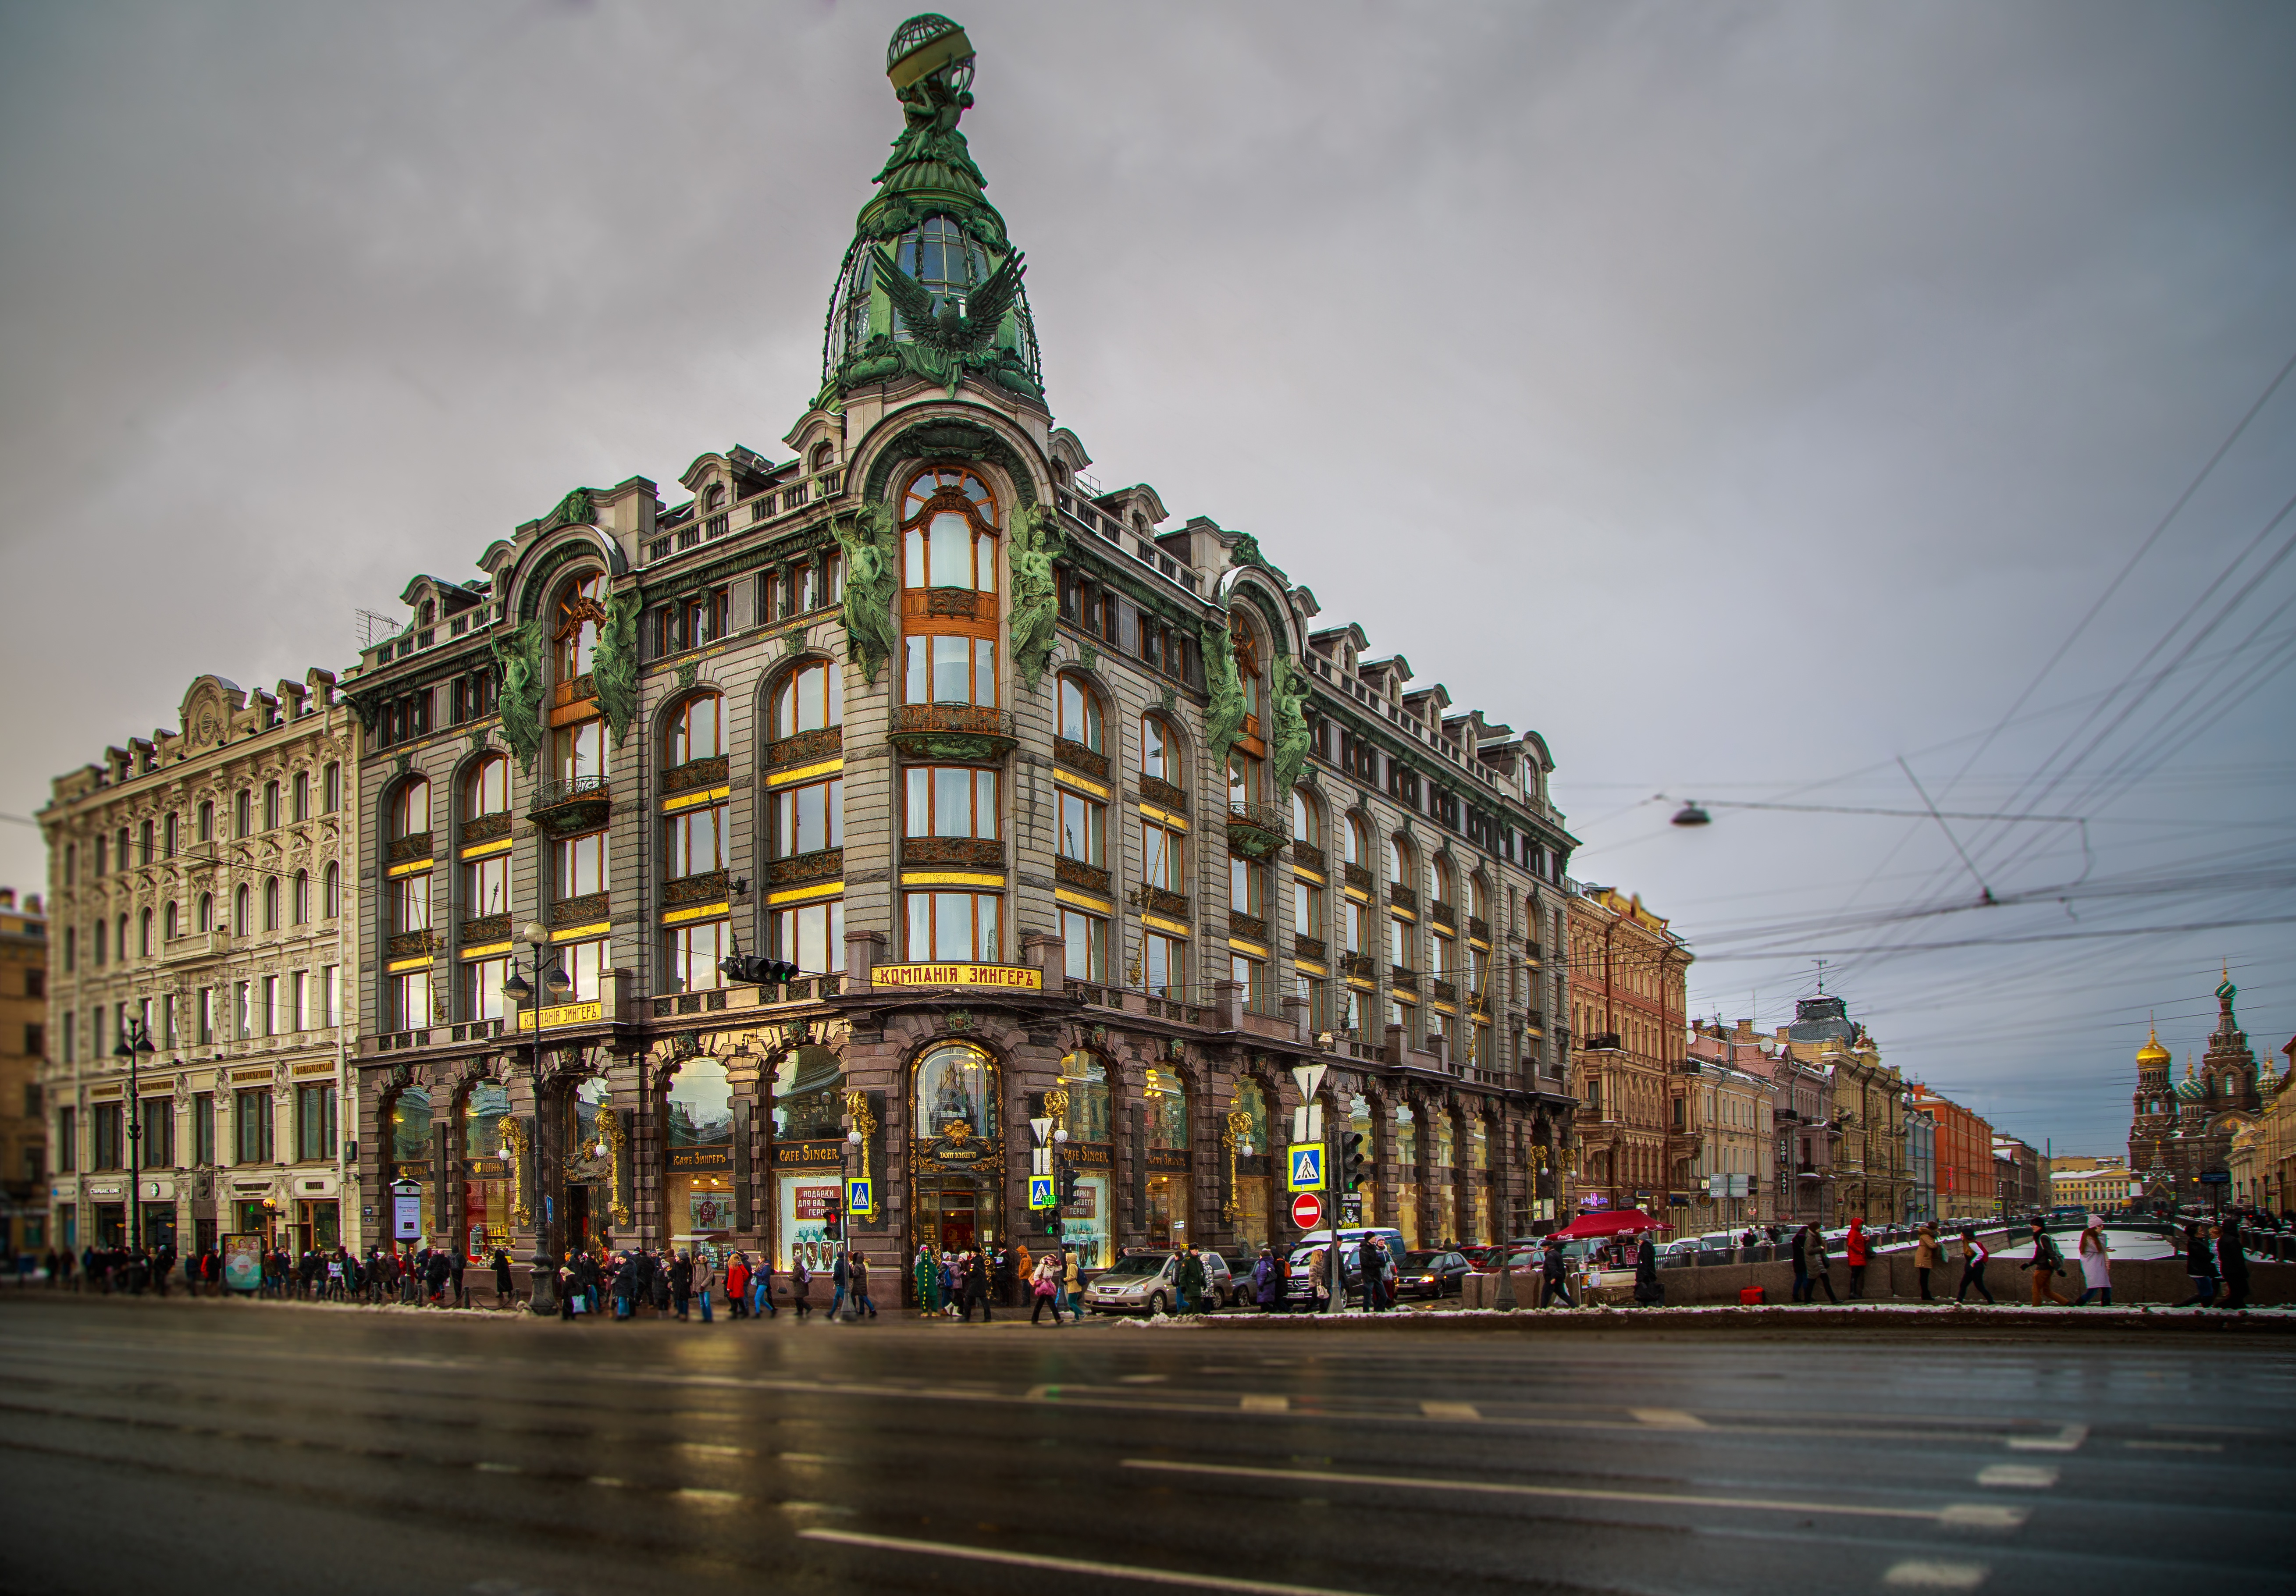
<point>789,1154</point>
<point>587,1013</point>
<point>1021,977</point>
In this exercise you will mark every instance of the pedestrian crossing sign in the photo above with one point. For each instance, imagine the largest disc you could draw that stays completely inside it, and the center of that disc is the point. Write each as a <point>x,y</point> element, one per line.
<point>1040,1191</point>
<point>861,1199</point>
<point>1307,1169</point>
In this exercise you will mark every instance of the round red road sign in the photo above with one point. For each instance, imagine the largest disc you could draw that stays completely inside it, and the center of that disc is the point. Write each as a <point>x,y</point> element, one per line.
<point>1306,1211</point>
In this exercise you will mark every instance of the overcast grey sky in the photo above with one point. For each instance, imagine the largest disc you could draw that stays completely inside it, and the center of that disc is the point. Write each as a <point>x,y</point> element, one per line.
<point>1743,396</point>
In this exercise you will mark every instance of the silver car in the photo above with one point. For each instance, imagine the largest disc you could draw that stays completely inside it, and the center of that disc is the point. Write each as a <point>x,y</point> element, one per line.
<point>1148,1283</point>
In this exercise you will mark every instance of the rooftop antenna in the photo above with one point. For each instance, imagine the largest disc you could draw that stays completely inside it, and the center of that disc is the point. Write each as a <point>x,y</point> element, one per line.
<point>372,624</point>
<point>1820,964</point>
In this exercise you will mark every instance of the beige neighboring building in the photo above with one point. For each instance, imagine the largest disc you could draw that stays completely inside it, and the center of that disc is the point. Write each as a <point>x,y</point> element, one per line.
<point>23,1042</point>
<point>197,892</point>
<point>1727,1188</point>
<point>2095,1186</point>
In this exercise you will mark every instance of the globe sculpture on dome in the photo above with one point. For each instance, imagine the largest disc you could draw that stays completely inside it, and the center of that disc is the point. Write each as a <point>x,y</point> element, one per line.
<point>930,286</point>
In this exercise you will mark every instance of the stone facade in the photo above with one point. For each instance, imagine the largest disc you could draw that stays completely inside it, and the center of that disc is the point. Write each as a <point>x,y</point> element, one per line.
<point>2178,1133</point>
<point>2019,1186</point>
<point>23,1048</point>
<point>198,886</point>
<point>1639,1135</point>
<point>1963,1143</point>
<point>1060,812</point>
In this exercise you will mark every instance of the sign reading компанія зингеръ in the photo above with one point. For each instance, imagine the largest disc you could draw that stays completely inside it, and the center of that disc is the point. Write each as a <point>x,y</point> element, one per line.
<point>1021,977</point>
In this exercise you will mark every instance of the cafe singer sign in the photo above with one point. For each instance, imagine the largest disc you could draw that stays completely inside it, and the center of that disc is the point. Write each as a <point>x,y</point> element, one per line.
<point>1024,977</point>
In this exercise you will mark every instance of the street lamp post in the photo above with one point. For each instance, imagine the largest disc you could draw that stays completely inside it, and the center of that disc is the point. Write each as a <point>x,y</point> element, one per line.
<point>134,1047</point>
<point>542,1265</point>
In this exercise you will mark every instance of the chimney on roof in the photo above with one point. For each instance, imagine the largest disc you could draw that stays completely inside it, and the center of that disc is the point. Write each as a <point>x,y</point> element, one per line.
<point>32,905</point>
<point>7,897</point>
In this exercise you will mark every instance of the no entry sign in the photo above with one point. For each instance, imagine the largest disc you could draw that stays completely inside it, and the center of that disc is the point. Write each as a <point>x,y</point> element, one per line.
<point>1306,1211</point>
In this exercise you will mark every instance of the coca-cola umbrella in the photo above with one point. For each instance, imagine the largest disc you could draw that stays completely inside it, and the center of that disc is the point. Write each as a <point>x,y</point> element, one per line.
<point>1614,1221</point>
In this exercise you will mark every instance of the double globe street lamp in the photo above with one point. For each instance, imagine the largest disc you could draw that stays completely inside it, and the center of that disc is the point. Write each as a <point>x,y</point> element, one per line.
<point>134,1047</point>
<point>542,1265</point>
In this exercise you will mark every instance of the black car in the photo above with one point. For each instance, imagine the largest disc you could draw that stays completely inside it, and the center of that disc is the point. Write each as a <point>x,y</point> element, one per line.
<point>1431,1275</point>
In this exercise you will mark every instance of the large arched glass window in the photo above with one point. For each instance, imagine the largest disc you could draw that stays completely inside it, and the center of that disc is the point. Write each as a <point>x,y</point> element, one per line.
<point>942,257</point>
<point>483,1113</point>
<point>410,1127</point>
<point>207,911</point>
<point>240,902</point>
<point>956,1085</point>
<point>696,731</point>
<point>302,897</point>
<point>1159,750</point>
<point>810,699</point>
<point>576,615</point>
<point>699,1111</point>
<point>332,898</point>
<point>1306,820</point>
<point>1090,1114</point>
<point>1398,861</point>
<point>271,903</point>
<point>1167,1097</point>
<point>808,1095</point>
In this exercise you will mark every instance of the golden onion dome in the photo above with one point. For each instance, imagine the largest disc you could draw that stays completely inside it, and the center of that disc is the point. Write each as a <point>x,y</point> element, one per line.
<point>2152,1055</point>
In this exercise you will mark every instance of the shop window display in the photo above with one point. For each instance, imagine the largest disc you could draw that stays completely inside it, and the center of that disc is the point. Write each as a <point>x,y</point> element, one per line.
<point>487,1180</point>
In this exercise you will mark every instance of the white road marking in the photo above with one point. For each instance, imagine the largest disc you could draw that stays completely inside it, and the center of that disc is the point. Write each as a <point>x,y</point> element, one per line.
<point>805,1457</point>
<point>1923,1574</point>
<point>608,1481</point>
<point>710,1449</point>
<point>1266,1404</point>
<point>497,1468</point>
<point>1668,1419</point>
<point>1067,1565</point>
<point>706,1498</point>
<point>2024,1477</point>
<point>1972,1514</point>
<point>1982,1514</point>
<point>2068,1439</point>
<point>1450,1409</point>
<point>1140,1379</point>
<point>2175,1445</point>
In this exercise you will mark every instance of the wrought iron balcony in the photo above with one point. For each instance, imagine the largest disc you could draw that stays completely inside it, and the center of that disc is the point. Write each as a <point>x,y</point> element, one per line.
<point>580,804</point>
<point>952,731</point>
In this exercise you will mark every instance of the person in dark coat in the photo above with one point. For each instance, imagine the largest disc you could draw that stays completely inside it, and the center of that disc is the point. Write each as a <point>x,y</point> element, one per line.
<point>1554,1275</point>
<point>436,1272</point>
<point>2200,1264</point>
<point>1267,1280</point>
<point>681,1282</point>
<point>975,1286</point>
<point>1647,1290</point>
<point>502,1276</point>
<point>2232,1258</point>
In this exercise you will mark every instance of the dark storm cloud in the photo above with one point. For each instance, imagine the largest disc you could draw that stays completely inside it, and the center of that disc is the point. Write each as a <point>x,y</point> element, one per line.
<point>1739,395</point>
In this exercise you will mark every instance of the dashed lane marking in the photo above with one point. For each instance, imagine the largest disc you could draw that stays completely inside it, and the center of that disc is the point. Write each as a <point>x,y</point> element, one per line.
<point>1266,1404</point>
<point>497,1468</point>
<point>1922,1574</point>
<point>1067,1565</point>
<point>708,1449</point>
<point>2068,1439</point>
<point>1668,1419</point>
<point>708,1498</point>
<point>1451,1409</point>
<point>2175,1445</point>
<point>2023,1476</point>
<point>1968,1515</point>
<point>1141,1380</point>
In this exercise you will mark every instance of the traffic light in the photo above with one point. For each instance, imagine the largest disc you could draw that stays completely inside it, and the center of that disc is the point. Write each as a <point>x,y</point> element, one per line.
<point>755,969</point>
<point>829,1218</point>
<point>1067,1172</point>
<point>1352,1169</point>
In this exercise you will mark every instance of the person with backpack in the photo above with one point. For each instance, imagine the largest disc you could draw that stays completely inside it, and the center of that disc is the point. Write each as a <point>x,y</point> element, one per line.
<point>1974,1254</point>
<point>2046,1264</point>
<point>2201,1265</point>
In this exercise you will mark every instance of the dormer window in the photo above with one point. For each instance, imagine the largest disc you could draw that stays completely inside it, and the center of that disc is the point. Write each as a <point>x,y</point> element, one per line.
<point>579,614</point>
<point>715,498</point>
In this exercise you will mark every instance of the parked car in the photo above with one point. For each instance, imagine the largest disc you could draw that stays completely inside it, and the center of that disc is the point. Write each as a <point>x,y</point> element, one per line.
<point>1149,1283</point>
<point>1300,1286</point>
<point>1432,1275</point>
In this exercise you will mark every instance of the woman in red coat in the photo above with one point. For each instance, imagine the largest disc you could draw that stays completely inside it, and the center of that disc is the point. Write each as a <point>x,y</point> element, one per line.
<point>1857,1248</point>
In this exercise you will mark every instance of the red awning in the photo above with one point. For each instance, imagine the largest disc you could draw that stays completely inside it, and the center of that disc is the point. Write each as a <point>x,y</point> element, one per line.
<point>1617,1222</point>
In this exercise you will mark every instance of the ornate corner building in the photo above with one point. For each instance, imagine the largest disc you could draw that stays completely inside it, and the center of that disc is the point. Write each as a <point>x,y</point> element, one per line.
<point>198,890</point>
<point>1058,812</point>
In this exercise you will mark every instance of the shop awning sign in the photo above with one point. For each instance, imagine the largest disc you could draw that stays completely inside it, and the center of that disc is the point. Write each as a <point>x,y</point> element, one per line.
<point>861,1198</point>
<point>1307,1169</point>
<point>1040,1191</point>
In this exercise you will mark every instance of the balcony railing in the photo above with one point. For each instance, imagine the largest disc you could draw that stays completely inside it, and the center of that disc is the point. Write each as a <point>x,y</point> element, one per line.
<point>1076,756</point>
<point>952,731</point>
<point>695,776</point>
<point>578,803</point>
<point>806,748</point>
<point>1360,877</point>
<point>1402,896</point>
<point>1258,830</point>
<point>414,845</point>
<point>978,853</point>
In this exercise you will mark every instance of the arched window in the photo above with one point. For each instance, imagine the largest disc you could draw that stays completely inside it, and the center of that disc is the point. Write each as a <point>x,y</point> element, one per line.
<point>483,1112</point>
<point>271,805</point>
<point>330,897</point>
<point>1167,1096</point>
<point>808,1095</point>
<point>948,575</point>
<point>206,911</point>
<point>172,925</point>
<point>410,809</point>
<point>714,499</point>
<point>576,615</point>
<point>410,1127</point>
<point>241,900</point>
<point>956,1087</point>
<point>302,806</point>
<point>1479,898</point>
<point>207,821</point>
<point>119,942</point>
<point>1080,719</point>
<point>485,791</point>
<point>1245,640</point>
<point>242,813</point>
<point>698,1112</point>
<point>271,905</point>
<point>143,934</point>
<point>1159,750</point>
<point>1447,884</point>
<point>144,843</point>
<point>1358,844</point>
<point>1090,1115</point>
<point>1399,863</point>
<point>302,899</point>
<point>170,833</point>
<point>1307,819</point>
<point>810,699</point>
<point>695,731</point>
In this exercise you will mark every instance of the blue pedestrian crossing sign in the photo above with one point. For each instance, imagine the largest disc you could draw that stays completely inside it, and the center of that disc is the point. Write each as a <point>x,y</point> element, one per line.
<point>1307,1168</point>
<point>861,1198</point>
<point>1040,1191</point>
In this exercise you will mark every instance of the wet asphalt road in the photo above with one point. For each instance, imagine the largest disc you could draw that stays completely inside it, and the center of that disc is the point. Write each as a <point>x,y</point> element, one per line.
<point>172,1446</point>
